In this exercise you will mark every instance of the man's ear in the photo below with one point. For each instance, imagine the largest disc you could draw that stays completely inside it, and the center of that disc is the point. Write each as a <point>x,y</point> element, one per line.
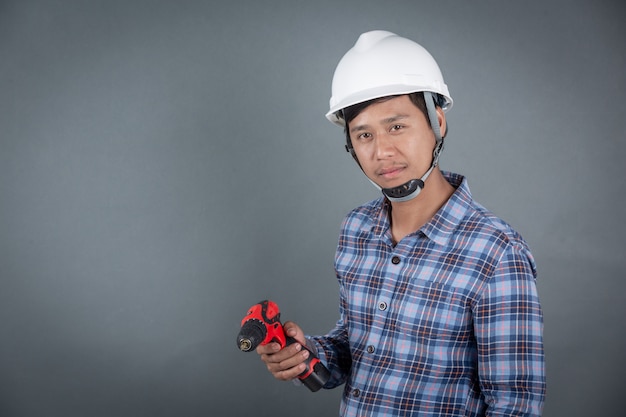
<point>441,119</point>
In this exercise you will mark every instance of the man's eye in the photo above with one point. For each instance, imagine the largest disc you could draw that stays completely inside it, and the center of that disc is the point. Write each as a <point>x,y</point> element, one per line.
<point>396,127</point>
<point>364,136</point>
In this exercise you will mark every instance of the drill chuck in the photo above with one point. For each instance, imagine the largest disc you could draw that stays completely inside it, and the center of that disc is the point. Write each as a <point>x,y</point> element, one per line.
<point>251,335</point>
<point>245,345</point>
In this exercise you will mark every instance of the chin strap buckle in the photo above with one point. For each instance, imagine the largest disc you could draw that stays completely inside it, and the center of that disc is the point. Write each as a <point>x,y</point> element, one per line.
<point>437,152</point>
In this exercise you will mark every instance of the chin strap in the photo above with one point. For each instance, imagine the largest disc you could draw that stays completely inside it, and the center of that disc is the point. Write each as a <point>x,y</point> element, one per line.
<point>407,191</point>
<point>411,189</point>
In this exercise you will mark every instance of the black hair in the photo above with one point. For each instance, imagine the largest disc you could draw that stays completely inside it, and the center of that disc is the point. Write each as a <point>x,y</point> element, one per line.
<point>349,113</point>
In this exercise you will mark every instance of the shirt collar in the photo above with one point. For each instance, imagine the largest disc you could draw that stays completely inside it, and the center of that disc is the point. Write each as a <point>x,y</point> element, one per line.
<point>440,228</point>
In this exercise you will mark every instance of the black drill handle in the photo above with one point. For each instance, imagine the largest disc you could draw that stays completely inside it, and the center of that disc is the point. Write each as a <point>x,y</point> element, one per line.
<point>316,374</point>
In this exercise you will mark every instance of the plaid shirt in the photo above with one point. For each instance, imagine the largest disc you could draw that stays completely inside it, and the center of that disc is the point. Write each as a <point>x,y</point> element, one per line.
<point>445,323</point>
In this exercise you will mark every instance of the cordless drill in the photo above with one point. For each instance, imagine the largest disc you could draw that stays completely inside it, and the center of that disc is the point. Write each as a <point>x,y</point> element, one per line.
<point>262,325</point>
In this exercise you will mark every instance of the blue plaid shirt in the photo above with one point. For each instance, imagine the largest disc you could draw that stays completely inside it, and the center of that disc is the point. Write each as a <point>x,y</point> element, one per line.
<point>445,323</point>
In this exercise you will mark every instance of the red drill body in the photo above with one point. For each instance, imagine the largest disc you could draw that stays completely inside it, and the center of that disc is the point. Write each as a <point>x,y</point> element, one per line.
<point>262,325</point>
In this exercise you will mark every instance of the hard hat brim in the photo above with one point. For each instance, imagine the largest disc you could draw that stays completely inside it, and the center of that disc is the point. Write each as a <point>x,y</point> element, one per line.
<point>379,92</point>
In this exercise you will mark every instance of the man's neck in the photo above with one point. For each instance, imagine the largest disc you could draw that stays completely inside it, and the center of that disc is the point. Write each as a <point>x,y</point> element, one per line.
<point>409,216</point>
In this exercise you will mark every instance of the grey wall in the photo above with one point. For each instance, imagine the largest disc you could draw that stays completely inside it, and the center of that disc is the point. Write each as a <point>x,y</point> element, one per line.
<point>164,165</point>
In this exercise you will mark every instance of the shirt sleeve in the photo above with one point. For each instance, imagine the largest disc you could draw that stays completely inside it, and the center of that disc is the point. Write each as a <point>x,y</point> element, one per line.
<point>333,350</point>
<point>509,333</point>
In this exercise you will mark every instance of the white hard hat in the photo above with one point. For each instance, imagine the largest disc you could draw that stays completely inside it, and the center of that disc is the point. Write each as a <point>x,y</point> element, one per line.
<point>382,64</point>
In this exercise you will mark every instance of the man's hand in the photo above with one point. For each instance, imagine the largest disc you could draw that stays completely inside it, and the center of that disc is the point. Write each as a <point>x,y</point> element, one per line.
<point>286,364</point>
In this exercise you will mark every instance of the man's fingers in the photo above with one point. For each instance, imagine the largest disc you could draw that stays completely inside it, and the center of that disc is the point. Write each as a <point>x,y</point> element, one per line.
<point>286,363</point>
<point>268,349</point>
<point>291,329</point>
<point>289,368</point>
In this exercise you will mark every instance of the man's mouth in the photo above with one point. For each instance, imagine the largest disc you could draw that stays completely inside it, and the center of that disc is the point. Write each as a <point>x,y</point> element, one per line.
<point>390,172</point>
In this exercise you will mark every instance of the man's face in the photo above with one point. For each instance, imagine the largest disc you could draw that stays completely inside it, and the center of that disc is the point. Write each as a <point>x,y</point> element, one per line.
<point>393,141</point>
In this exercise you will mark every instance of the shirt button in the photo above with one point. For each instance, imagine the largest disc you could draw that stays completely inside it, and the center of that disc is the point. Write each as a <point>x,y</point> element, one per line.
<point>370,349</point>
<point>356,392</point>
<point>382,306</point>
<point>395,260</point>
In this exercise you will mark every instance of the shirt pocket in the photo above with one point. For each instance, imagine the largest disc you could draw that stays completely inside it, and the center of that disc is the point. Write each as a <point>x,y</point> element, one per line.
<point>432,311</point>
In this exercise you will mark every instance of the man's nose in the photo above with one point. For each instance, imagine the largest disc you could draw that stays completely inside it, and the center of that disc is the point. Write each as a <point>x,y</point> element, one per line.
<point>384,146</point>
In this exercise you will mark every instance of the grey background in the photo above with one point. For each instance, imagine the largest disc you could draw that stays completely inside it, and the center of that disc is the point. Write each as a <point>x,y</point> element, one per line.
<point>164,165</point>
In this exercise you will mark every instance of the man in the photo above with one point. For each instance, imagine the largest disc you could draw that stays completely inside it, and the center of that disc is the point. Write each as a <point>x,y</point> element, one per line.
<point>439,312</point>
